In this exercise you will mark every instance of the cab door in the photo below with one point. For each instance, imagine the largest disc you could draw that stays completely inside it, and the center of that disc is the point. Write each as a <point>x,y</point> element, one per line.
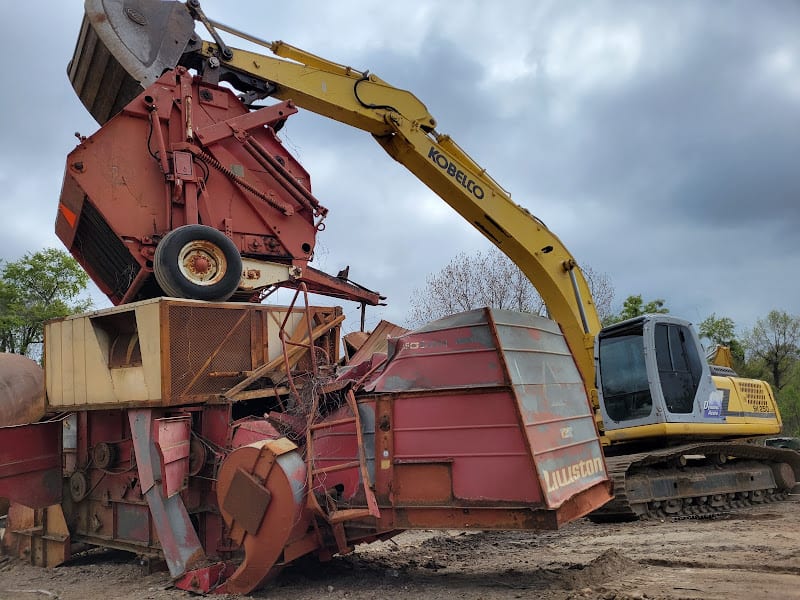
<point>679,367</point>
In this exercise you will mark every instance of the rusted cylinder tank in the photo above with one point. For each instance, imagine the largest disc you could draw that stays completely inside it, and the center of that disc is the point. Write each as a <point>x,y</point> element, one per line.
<point>21,390</point>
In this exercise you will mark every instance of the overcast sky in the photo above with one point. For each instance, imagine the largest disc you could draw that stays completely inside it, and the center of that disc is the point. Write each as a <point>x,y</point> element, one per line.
<point>659,140</point>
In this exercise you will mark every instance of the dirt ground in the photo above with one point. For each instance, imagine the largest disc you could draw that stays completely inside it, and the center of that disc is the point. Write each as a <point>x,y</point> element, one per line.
<point>743,555</point>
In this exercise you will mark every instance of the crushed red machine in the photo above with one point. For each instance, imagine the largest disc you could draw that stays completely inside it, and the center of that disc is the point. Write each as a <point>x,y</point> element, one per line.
<point>188,193</point>
<point>163,446</point>
<point>230,438</point>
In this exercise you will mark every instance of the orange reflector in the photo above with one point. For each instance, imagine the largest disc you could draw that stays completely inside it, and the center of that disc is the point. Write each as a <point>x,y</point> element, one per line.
<point>70,216</point>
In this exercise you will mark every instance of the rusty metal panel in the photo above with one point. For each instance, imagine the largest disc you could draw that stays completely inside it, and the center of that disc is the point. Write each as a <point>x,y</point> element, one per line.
<point>423,483</point>
<point>454,352</point>
<point>205,342</point>
<point>247,501</point>
<point>457,405</point>
<point>498,394</point>
<point>30,464</point>
<point>113,208</point>
<point>282,471</point>
<point>366,414</point>
<point>132,522</point>
<point>335,444</point>
<point>353,341</point>
<point>375,342</point>
<point>553,405</point>
<point>478,432</point>
<point>178,537</point>
<point>39,536</point>
<point>171,436</point>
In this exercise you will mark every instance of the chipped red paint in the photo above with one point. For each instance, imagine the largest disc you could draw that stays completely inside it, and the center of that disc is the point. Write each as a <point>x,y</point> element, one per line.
<point>497,396</point>
<point>171,437</point>
<point>250,430</point>
<point>176,533</point>
<point>206,579</point>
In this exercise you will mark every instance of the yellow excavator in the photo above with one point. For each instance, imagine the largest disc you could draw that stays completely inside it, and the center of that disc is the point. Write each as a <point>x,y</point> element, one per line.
<point>675,434</point>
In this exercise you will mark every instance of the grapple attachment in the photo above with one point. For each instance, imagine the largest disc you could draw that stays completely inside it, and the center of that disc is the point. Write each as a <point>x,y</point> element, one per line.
<point>123,47</point>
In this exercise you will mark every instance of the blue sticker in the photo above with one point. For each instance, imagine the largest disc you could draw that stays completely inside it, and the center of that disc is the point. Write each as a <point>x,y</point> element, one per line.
<point>712,408</point>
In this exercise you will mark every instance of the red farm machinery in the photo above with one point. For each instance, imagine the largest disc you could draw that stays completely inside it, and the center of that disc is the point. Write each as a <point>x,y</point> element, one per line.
<point>193,424</point>
<point>226,439</point>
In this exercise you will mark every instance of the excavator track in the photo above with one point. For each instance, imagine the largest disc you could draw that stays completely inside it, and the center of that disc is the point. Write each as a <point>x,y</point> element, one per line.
<point>697,480</point>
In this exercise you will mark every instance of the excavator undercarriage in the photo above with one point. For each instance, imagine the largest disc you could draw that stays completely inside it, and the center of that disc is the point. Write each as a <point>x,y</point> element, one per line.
<point>697,480</point>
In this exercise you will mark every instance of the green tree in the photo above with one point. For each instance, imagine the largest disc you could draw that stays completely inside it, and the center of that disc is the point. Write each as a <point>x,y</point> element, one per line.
<point>721,331</point>
<point>34,289</point>
<point>718,330</point>
<point>789,402</point>
<point>773,345</point>
<point>634,306</point>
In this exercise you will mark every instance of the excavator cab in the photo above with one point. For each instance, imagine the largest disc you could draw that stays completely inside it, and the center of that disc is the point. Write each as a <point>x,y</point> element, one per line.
<point>651,372</point>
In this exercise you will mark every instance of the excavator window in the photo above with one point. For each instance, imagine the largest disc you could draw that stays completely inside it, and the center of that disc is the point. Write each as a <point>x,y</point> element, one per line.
<point>626,391</point>
<point>679,367</point>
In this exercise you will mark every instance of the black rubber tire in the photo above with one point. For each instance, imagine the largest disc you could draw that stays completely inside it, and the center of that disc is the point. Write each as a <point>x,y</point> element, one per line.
<point>784,476</point>
<point>172,250</point>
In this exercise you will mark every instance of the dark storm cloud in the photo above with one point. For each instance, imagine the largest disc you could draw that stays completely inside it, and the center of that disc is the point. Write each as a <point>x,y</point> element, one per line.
<point>643,174</point>
<point>672,177</point>
<point>708,135</point>
<point>702,129</point>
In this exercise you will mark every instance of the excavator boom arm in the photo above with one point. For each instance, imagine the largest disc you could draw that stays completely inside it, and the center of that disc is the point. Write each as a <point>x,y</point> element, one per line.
<point>347,95</point>
<point>402,125</point>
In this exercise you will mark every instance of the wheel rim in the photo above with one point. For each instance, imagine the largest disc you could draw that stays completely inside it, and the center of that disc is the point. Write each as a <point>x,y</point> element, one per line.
<point>202,262</point>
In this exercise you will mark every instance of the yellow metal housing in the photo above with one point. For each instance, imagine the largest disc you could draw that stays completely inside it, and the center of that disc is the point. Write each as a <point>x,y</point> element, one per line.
<point>153,353</point>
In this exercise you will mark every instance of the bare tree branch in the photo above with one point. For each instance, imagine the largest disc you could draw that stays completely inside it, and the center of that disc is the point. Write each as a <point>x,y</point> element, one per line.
<point>491,279</point>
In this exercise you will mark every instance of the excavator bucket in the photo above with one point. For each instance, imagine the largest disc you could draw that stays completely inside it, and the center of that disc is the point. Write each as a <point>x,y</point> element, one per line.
<point>123,47</point>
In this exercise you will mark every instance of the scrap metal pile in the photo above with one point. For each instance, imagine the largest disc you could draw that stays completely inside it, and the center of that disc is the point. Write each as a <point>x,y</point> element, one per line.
<point>223,437</point>
<point>229,439</point>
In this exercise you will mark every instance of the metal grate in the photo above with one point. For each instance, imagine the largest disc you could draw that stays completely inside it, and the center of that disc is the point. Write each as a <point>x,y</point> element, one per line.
<point>207,343</point>
<point>97,245</point>
<point>754,394</point>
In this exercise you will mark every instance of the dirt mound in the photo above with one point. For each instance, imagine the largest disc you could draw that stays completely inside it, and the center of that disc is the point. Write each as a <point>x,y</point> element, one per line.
<point>608,566</point>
